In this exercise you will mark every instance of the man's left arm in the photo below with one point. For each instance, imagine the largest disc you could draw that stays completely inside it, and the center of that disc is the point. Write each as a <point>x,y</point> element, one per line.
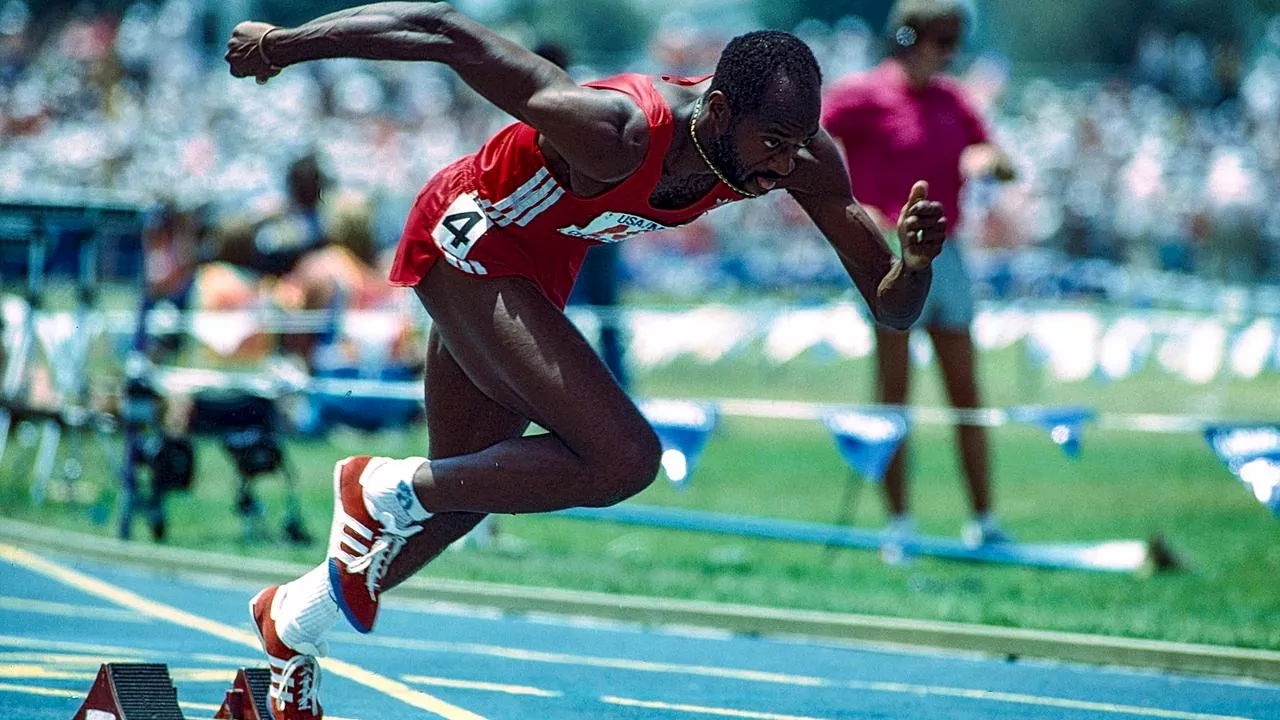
<point>894,287</point>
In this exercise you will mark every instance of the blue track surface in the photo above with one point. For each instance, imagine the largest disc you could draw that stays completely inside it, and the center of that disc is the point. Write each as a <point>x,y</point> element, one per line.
<point>54,632</point>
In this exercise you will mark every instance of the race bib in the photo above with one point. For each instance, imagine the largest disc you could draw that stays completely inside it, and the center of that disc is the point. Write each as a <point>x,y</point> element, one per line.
<point>460,227</point>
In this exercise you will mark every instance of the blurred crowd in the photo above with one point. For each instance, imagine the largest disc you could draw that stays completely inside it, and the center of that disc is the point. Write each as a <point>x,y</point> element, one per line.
<point>1168,166</point>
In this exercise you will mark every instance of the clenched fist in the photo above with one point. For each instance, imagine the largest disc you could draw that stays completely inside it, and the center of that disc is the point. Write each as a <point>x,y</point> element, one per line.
<point>245,53</point>
<point>921,228</point>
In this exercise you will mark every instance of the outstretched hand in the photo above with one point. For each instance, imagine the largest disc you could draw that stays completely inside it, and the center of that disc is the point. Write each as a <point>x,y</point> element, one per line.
<point>245,53</point>
<point>922,228</point>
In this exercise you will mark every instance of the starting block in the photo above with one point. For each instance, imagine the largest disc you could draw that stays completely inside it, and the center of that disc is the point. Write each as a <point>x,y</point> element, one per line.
<point>131,691</point>
<point>247,698</point>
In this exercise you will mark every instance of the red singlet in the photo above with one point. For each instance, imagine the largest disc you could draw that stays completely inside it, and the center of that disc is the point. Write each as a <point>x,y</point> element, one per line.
<point>500,212</point>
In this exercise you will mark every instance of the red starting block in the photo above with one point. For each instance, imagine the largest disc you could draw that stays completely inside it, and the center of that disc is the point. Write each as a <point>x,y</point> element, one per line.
<point>247,698</point>
<point>131,691</point>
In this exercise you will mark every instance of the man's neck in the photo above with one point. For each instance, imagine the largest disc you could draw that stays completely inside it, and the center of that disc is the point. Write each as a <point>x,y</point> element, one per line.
<point>682,157</point>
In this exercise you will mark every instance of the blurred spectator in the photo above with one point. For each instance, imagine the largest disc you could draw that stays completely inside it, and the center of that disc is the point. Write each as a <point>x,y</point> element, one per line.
<point>137,106</point>
<point>294,229</point>
<point>902,122</point>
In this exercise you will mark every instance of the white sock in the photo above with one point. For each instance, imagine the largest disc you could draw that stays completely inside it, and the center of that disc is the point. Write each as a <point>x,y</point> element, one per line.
<point>306,610</point>
<point>388,488</point>
<point>985,520</point>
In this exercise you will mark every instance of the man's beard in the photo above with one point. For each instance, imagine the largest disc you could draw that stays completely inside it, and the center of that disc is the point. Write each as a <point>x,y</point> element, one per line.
<point>726,159</point>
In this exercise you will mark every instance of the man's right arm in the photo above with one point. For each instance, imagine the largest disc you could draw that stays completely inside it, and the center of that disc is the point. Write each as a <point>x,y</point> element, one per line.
<point>894,286</point>
<point>600,133</point>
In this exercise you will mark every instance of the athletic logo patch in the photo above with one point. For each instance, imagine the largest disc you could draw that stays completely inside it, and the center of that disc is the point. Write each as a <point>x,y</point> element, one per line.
<point>612,227</point>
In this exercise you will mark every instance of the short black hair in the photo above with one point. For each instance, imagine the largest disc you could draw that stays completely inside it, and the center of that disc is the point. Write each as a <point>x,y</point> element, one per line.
<point>751,62</point>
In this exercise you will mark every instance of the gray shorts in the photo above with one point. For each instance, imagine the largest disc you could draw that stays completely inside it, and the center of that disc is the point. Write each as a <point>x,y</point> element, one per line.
<point>950,302</point>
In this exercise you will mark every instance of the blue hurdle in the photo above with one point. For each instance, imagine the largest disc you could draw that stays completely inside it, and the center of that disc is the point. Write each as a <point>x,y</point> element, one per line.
<point>1114,556</point>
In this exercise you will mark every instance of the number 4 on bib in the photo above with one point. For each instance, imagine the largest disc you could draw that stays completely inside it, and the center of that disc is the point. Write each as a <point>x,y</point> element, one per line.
<point>460,227</point>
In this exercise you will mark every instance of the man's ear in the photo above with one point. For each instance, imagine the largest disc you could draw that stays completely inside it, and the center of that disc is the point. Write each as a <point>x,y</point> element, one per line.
<point>717,106</point>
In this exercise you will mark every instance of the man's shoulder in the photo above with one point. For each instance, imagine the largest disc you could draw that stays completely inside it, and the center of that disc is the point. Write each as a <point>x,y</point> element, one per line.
<point>622,80</point>
<point>645,97</point>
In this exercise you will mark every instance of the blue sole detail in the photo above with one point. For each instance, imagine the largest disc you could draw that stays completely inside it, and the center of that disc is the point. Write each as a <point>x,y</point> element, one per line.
<point>335,587</point>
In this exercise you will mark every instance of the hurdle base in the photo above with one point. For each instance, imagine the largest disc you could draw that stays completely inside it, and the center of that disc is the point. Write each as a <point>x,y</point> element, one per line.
<point>1117,556</point>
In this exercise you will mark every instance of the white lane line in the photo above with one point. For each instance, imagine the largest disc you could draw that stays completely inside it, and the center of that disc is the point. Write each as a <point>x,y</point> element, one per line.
<point>95,660</point>
<point>40,672</point>
<point>42,691</point>
<point>92,661</point>
<point>71,694</point>
<point>521,654</point>
<point>582,660</point>
<point>74,647</point>
<point>701,709</point>
<point>31,671</point>
<point>485,686</point>
<point>151,608</point>
<point>45,607</point>
<point>1036,700</point>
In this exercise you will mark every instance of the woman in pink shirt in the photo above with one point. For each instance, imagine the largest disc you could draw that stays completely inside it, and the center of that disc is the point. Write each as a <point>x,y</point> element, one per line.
<point>902,121</point>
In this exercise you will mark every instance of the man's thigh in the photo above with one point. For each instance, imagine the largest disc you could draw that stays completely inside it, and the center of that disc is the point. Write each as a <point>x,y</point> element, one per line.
<point>460,418</point>
<point>519,350</point>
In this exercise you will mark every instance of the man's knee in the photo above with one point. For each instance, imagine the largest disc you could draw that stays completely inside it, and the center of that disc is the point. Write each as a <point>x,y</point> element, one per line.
<point>630,466</point>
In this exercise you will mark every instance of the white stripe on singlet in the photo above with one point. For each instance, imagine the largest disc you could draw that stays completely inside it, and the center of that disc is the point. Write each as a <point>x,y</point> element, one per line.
<point>505,211</point>
<point>505,204</point>
<point>537,209</point>
<point>537,194</point>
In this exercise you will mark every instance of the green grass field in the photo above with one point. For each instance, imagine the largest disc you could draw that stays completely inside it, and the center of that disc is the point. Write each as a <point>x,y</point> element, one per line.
<point>1124,485</point>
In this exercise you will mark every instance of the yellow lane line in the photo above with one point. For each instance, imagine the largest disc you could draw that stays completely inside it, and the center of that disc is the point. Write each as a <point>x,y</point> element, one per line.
<point>44,607</point>
<point>151,608</point>
<point>202,675</point>
<point>701,709</point>
<point>486,686</point>
<point>233,661</point>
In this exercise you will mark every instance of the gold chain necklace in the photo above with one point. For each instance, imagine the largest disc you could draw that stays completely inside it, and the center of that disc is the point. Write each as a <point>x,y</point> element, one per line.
<point>693,133</point>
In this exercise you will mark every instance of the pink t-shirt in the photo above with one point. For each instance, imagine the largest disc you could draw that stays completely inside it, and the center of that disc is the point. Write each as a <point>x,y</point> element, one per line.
<point>894,135</point>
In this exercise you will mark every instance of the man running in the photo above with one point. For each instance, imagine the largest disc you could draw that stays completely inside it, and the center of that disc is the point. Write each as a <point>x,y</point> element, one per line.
<point>492,246</point>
